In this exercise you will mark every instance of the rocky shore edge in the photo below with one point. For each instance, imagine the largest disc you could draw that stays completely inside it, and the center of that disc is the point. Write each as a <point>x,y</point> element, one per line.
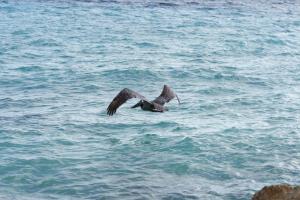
<point>278,192</point>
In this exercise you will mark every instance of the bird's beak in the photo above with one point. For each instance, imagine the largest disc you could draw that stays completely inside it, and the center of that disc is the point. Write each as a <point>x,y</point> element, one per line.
<point>178,99</point>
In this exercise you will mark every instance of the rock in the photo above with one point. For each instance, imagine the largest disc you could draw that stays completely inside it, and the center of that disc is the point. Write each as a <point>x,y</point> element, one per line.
<point>278,192</point>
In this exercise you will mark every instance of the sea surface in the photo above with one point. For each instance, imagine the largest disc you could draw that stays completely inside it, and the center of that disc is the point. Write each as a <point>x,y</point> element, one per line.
<point>235,66</point>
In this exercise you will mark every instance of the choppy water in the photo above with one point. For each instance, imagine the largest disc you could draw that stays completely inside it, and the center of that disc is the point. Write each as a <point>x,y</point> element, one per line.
<point>234,64</point>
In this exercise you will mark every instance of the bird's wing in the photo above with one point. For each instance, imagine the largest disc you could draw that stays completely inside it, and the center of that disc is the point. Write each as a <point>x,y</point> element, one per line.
<point>121,98</point>
<point>166,95</point>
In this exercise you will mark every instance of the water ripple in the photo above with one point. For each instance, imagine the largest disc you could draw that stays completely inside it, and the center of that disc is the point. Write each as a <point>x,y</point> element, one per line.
<point>233,64</point>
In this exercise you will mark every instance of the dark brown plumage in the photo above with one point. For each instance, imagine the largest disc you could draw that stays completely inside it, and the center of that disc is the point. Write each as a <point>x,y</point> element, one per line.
<point>121,98</point>
<point>166,95</point>
<point>157,105</point>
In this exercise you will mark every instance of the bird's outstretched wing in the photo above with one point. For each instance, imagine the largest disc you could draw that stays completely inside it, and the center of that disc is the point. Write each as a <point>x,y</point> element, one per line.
<point>166,95</point>
<point>121,98</point>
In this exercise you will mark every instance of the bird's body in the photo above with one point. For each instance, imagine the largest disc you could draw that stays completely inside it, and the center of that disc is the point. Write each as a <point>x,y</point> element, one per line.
<point>151,106</point>
<point>157,105</point>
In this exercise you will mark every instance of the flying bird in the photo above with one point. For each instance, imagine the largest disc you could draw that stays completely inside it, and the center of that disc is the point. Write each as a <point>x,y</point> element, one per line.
<point>157,105</point>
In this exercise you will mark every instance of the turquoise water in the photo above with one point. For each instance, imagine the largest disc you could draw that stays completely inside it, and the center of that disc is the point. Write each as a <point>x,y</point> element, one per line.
<point>234,64</point>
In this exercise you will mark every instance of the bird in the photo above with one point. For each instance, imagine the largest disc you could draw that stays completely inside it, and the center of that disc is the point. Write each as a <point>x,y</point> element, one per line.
<point>157,105</point>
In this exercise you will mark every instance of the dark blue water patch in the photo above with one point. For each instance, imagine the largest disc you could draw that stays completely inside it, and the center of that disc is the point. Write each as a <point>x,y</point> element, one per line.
<point>287,54</point>
<point>44,43</point>
<point>271,169</point>
<point>64,142</point>
<point>239,196</point>
<point>193,3</point>
<point>200,72</point>
<point>215,174</point>
<point>221,76</point>
<point>257,82</point>
<point>16,103</point>
<point>237,47</point>
<point>114,141</point>
<point>201,24</point>
<point>163,124</point>
<point>45,165</point>
<point>186,55</point>
<point>243,79</point>
<point>40,87</point>
<point>106,129</point>
<point>8,8</point>
<point>147,45</point>
<point>179,196</point>
<point>91,88</point>
<point>275,41</point>
<point>281,119</point>
<point>180,73</point>
<point>206,8</point>
<point>209,5</point>
<point>198,60</point>
<point>209,107</point>
<point>219,91</point>
<point>30,55</point>
<point>5,145</point>
<point>296,23</point>
<point>185,146</point>
<point>185,74</point>
<point>161,4</point>
<point>248,102</point>
<point>150,140</point>
<point>131,75</point>
<point>27,117</point>
<point>229,69</point>
<point>183,128</point>
<point>31,68</point>
<point>167,4</point>
<point>23,32</point>
<point>107,2</point>
<point>6,100</point>
<point>178,168</point>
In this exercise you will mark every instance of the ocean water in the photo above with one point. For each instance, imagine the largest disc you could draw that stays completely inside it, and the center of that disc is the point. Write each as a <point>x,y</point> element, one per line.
<point>234,64</point>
